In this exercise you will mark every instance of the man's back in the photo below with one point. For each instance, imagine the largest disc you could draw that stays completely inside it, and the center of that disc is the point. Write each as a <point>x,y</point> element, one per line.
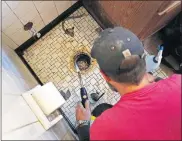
<point>153,112</point>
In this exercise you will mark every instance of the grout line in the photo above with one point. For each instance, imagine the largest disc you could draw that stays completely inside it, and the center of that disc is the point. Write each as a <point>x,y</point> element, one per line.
<point>10,39</point>
<point>12,130</point>
<point>38,13</point>
<point>14,94</point>
<point>15,14</point>
<point>54,134</point>
<point>17,18</point>
<point>56,8</point>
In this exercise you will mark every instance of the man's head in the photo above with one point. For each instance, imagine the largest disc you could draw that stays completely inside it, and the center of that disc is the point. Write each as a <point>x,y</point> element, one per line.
<point>120,55</point>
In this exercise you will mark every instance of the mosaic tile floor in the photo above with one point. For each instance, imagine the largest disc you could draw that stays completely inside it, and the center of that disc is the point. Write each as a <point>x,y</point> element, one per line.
<point>50,59</point>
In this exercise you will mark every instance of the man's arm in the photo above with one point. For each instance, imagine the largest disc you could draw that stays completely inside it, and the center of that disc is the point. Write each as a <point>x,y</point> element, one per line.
<point>83,116</point>
<point>84,132</point>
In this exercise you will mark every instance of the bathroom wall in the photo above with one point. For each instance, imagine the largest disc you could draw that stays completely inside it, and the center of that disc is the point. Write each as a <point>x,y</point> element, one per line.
<point>16,79</point>
<point>15,14</point>
<point>18,121</point>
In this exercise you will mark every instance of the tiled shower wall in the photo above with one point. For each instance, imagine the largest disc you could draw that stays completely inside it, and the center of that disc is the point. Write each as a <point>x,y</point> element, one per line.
<point>15,14</point>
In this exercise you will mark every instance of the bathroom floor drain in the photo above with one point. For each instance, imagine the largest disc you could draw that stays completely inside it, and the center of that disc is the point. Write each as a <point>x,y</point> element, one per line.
<point>83,61</point>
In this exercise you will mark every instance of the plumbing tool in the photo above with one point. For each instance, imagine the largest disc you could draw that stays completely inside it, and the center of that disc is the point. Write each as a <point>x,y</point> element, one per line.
<point>96,96</point>
<point>83,91</point>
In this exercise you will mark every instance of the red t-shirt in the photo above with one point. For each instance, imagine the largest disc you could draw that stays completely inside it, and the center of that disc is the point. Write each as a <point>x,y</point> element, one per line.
<point>153,112</point>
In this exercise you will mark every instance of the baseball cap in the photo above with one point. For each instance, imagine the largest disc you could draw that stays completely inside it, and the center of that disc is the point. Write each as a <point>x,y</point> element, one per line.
<point>113,46</point>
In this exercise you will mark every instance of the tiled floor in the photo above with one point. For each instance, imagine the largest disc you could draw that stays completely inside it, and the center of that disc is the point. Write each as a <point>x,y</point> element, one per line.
<point>51,60</point>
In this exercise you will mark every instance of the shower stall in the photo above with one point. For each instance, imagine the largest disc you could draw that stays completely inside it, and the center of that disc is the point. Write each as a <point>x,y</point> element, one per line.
<point>50,58</point>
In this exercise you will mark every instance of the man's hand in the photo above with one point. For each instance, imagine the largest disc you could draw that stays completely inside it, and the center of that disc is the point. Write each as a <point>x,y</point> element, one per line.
<point>83,113</point>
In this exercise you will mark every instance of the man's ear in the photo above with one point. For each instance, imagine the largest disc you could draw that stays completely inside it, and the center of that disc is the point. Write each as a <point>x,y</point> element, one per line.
<point>105,76</point>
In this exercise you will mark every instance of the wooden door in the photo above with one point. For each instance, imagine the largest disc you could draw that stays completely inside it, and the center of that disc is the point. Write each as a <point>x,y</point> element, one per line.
<point>162,17</point>
<point>137,16</point>
<point>133,15</point>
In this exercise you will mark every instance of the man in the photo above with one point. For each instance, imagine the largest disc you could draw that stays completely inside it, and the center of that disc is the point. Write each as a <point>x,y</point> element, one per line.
<point>147,110</point>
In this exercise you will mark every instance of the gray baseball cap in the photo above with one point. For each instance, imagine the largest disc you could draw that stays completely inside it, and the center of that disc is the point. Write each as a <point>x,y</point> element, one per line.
<point>112,46</point>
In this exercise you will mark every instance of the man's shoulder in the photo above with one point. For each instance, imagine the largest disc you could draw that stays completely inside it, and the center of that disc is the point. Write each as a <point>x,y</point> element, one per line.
<point>175,77</point>
<point>174,80</point>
